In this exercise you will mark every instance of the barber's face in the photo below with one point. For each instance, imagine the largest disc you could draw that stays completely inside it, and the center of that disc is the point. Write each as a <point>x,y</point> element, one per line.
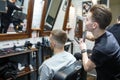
<point>88,22</point>
<point>14,1</point>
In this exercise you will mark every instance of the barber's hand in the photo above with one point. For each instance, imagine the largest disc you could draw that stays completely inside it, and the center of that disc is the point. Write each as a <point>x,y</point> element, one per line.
<point>82,44</point>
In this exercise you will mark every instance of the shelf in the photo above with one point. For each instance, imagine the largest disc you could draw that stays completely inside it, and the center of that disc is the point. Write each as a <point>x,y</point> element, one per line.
<point>18,53</point>
<point>27,70</point>
<point>23,72</point>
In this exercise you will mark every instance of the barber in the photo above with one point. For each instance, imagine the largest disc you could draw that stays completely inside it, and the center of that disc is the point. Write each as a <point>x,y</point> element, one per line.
<point>105,56</point>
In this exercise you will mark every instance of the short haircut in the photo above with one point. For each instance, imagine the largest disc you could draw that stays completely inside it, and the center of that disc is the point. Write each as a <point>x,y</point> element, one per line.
<point>102,15</point>
<point>59,35</point>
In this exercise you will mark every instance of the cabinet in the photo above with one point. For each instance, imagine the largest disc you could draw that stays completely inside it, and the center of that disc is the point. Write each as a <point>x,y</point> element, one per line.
<point>21,56</point>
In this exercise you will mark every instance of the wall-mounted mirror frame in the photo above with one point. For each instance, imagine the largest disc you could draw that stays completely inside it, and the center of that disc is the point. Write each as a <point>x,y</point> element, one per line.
<point>43,18</point>
<point>28,32</point>
<point>66,16</point>
<point>42,31</point>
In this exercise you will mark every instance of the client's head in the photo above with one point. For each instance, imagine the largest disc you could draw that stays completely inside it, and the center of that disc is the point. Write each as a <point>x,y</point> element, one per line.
<point>58,39</point>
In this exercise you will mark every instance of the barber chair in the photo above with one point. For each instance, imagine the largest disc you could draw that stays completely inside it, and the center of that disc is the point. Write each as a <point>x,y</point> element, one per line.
<point>73,72</point>
<point>78,57</point>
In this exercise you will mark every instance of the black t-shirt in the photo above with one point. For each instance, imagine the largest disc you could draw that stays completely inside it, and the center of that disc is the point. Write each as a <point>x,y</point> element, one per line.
<point>115,30</point>
<point>106,56</point>
<point>11,7</point>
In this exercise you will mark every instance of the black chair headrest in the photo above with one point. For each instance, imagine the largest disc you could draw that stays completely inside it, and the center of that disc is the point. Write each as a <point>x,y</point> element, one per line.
<point>69,73</point>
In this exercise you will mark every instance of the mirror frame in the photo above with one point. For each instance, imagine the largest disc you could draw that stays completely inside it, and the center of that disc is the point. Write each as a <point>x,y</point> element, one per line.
<point>66,16</point>
<point>41,32</point>
<point>29,22</point>
<point>47,33</point>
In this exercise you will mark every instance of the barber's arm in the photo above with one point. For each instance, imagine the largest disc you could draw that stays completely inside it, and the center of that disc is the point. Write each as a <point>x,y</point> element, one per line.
<point>18,7</point>
<point>87,63</point>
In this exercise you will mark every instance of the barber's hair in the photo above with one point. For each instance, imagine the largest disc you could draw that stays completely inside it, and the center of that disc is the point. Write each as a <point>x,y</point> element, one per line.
<point>118,18</point>
<point>102,15</point>
<point>59,35</point>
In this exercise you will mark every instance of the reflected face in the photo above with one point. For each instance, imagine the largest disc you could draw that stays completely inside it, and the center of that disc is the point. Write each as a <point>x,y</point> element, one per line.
<point>88,22</point>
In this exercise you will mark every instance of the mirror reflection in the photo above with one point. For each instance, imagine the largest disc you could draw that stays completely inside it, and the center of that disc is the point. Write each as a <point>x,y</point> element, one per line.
<point>44,18</point>
<point>36,21</point>
<point>53,7</point>
<point>13,19</point>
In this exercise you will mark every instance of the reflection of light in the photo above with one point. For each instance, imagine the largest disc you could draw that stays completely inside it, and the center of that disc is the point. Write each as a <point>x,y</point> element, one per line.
<point>78,7</point>
<point>94,1</point>
<point>71,23</point>
<point>72,17</point>
<point>37,13</point>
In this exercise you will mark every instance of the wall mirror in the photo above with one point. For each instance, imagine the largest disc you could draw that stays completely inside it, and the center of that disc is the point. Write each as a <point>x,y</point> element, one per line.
<point>21,28</point>
<point>50,13</point>
<point>47,17</point>
<point>78,29</point>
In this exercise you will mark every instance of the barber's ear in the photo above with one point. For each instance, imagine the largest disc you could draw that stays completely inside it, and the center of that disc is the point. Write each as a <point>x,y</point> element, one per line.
<point>95,25</point>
